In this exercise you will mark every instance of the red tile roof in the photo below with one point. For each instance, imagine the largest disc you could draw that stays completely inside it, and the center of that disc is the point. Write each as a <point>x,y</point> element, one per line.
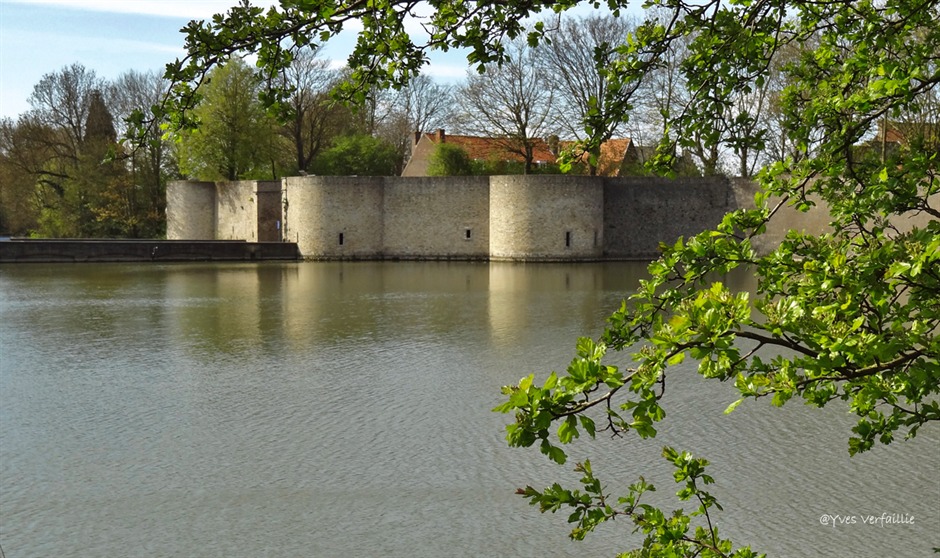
<point>494,149</point>
<point>611,158</point>
<point>613,152</point>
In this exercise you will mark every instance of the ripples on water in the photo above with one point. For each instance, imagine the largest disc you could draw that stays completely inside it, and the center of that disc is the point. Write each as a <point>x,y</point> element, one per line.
<point>343,410</point>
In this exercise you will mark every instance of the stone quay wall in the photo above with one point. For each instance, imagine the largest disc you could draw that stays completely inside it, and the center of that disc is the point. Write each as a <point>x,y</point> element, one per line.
<point>513,218</point>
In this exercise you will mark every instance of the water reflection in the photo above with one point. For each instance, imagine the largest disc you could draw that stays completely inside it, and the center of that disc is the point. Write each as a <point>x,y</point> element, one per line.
<point>241,308</point>
<point>325,409</point>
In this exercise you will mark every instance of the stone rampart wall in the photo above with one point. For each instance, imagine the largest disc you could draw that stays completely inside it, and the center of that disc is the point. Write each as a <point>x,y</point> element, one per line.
<point>245,210</point>
<point>520,218</point>
<point>335,216</point>
<point>237,210</point>
<point>437,218</point>
<point>641,212</point>
<point>190,210</point>
<point>546,218</point>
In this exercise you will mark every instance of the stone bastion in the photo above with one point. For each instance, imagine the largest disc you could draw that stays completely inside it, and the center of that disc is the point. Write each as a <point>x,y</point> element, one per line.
<point>513,218</point>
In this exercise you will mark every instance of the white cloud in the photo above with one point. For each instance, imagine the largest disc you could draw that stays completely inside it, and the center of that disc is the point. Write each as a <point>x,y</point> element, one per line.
<point>447,73</point>
<point>78,45</point>
<point>189,9</point>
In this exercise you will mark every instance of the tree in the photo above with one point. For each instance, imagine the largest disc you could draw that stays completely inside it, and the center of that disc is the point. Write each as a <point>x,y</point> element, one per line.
<point>850,315</point>
<point>425,104</point>
<point>358,155</point>
<point>101,180</point>
<point>67,166</point>
<point>151,164</point>
<point>511,102</point>
<point>577,56</point>
<point>778,146</point>
<point>450,160</point>
<point>55,128</point>
<point>99,125</point>
<point>310,116</point>
<point>67,142</point>
<point>236,138</point>
<point>662,94</point>
<point>61,100</point>
<point>18,207</point>
<point>421,106</point>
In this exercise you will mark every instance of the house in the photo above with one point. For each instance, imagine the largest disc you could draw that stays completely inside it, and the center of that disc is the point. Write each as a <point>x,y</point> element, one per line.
<point>892,136</point>
<point>616,154</point>
<point>478,148</point>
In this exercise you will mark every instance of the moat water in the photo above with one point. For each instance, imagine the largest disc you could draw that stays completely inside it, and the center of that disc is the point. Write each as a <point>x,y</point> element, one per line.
<point>343,409</point>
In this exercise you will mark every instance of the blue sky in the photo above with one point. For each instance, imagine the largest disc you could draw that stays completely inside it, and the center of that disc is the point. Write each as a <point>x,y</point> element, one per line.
<point>38,37</point>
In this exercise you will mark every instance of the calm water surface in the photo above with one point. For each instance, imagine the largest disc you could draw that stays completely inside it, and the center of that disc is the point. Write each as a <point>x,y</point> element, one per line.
<point>342,409</point>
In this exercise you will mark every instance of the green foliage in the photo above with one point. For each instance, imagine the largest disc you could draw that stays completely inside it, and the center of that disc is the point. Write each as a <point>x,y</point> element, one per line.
<point>19,212</point>
<point>62,171</point>
<point>849,316</point>
<point>236,138</point>
<point>450,160</point>
<point>359,155</point>
<point>675,534</point>
<point>99,126</point>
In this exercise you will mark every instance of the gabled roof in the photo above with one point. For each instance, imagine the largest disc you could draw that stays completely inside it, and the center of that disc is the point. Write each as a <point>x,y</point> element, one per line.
<point>492,149</point>
<point>612,155</point>
<point>613,152</point>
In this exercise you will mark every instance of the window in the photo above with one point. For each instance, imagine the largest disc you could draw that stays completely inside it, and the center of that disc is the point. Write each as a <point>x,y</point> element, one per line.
<point>567,239</point>
<point>341,239</point>
<point>466,233</point>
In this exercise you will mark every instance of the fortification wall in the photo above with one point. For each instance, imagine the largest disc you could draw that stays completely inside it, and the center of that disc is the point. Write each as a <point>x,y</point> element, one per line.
<point>190,210</point>
<point>814,221</point>
<point>334,216</point>
<point>785,219</point>
<point>641,212</point>
<point>237,210</point>
<point>546,218</point>
<point>523,218</point>
<point>437,217</point>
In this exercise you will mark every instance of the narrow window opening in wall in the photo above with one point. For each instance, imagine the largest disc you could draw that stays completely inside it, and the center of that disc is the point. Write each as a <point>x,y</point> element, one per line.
<point>595,237</point>
<point>466,234</point>
<point>567,239</point>
<point>341,239</point>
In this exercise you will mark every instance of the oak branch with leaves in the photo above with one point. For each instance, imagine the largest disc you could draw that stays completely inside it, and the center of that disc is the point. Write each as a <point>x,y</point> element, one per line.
<point>850,315</point>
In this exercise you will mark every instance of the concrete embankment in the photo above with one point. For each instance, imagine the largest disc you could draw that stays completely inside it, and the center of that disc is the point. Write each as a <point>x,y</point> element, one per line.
<point>88,250</point>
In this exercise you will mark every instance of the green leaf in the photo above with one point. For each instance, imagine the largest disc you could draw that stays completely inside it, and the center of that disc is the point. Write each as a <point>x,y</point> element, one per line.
<point>733,406</point>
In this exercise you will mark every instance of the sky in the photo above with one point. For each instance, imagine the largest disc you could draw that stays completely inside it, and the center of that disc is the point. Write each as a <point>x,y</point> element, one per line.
<point>38,37</point>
